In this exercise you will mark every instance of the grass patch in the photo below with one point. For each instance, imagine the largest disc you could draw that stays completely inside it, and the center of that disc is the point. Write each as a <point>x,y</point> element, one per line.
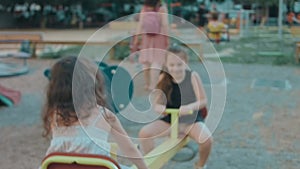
<point>244,50</point>
<point>52,53</point>
<point>254,50</point>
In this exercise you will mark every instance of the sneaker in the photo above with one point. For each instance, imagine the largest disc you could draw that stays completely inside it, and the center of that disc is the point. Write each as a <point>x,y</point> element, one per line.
<point>196,166</point>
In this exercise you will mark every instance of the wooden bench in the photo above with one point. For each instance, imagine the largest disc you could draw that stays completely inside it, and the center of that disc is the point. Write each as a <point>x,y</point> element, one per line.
<point>195,46</point>
<point>295,32</point>
<point>35,43</point>
<point>20,41</point>
<point>15,40</point>
<point>36,39</point>
<point>18,37</point>
<point>123,25</point>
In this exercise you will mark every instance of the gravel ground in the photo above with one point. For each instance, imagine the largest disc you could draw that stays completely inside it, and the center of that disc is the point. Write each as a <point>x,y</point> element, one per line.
<point>258,128</point>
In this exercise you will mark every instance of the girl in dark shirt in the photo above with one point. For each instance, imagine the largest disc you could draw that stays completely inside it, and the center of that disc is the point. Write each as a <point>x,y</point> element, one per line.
<point>182,89</point>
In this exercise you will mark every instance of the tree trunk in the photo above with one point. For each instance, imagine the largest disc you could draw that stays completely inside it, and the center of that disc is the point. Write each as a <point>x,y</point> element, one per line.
<point>80,25</point>
<point>43,22</point>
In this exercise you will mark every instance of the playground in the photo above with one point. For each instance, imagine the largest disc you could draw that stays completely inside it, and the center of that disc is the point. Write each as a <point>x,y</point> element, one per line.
<point>258,129</point>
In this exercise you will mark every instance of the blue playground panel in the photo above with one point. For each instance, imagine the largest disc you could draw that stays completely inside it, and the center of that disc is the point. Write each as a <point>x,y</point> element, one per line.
<point>118,86</point>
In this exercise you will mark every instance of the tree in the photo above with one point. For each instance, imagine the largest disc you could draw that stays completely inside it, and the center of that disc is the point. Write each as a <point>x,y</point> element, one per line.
<point>87,6</point>
<point>268,2</point>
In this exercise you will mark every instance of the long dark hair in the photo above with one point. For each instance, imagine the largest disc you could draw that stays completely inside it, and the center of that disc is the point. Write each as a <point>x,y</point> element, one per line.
<point>152,3</point>
<point>165,84</point>
<point>73,90</point>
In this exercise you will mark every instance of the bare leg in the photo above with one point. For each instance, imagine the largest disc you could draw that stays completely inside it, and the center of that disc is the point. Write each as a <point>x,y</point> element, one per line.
<point>154,73</point>
<point>200,133</point>
<point>147,76</point>
<point>151,131</point>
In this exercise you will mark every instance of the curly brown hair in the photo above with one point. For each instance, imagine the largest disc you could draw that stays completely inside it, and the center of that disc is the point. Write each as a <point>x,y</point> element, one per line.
<point>75,86</point>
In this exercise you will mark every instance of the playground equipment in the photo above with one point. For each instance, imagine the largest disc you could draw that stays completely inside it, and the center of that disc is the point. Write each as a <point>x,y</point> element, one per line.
<point>12,68</point>
<point>165,151</point>
<point>9,68</point>
<point>78,161</point>
<point>20,41</point>
<point>154,159</point>
<point>117,96</point>
<point>222,35</point>
<point>9,97</point>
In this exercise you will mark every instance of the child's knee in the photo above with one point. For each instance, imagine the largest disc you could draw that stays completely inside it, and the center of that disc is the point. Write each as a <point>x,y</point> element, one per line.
<point>144,133</point>
<point>207,140</point>
<point>210,140</point>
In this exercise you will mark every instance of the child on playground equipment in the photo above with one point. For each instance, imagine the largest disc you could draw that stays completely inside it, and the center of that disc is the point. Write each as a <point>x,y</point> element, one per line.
<point>182,89</point>
<point>217,30</point>
<point>75,113</point>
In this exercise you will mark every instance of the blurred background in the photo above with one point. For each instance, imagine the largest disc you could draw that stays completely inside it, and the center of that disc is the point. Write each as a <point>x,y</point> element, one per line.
<point>95,13</point>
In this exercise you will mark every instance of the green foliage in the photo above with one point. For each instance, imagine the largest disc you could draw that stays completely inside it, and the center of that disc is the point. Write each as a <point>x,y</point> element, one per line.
<point>220,1</point>
<point>86,4</point>
<point>261,2</point>
<point>121,51</point>
<point>283,60</point>
<point>54,53</point>
<point>247,51</point>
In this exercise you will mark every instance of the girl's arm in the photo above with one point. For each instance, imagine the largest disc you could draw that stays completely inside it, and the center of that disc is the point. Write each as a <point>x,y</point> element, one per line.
<point>159,104</point>
<point>200,96</point>
<point>164,22</point>
<point>139,28</point>
<point>125,144</point>
<point>159,108</point>
<point>296,20</point>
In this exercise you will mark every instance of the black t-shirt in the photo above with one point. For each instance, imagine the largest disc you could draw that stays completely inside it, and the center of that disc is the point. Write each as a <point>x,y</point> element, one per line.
<point>182,94</point>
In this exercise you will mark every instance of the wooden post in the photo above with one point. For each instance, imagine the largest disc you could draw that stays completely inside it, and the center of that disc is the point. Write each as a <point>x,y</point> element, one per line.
<point>297,53</point>
<point>112,53</point>
<point>34,50</point>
